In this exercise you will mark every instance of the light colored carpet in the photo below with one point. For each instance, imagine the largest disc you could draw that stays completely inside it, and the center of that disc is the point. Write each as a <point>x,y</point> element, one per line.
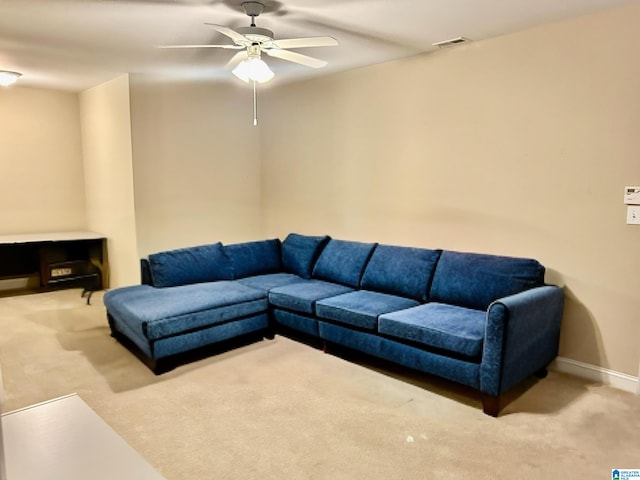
<point>284,410</point>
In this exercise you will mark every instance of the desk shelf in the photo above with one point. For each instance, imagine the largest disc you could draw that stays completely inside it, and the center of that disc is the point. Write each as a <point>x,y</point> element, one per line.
<point>55,260</point>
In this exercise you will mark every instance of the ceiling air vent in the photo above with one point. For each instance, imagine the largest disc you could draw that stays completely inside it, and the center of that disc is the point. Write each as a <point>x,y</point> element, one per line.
<point>451,43</point>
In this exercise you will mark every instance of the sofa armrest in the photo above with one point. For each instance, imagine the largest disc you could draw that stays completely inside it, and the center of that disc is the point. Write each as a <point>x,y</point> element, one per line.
<point>521,337</point>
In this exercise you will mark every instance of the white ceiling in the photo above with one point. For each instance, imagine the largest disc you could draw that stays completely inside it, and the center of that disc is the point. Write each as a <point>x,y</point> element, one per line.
<point>76,44</point>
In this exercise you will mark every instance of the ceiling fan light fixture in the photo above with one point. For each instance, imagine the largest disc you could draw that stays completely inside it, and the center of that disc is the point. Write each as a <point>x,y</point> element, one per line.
<point>8,78</point>
<point>253,69</point>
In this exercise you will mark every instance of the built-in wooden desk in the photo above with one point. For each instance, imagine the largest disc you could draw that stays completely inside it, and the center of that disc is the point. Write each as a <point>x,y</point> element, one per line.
<point>63,439</point>
<point>44,261</point>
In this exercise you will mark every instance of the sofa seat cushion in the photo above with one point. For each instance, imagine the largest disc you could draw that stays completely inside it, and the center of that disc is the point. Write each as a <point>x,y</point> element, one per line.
<point>158,313</point>
<point>302,296</point>
<point>270,280</point>
<point>361,308</point>
<point>447,327</point>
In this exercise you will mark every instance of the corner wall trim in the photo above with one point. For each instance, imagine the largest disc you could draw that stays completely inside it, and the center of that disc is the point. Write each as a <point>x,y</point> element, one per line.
<point>612,378</point>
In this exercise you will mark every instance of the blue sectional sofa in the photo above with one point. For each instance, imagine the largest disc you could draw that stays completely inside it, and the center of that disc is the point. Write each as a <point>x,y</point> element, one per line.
<point>485,321</point>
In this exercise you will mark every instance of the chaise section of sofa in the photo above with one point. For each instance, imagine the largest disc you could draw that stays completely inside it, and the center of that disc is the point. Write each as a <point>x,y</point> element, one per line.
<point>485,321</point>
<point>163,322</point>
<point>193,300</point>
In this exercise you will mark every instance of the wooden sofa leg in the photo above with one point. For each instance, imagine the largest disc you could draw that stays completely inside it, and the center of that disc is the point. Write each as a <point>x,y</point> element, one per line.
<point>491,404</point>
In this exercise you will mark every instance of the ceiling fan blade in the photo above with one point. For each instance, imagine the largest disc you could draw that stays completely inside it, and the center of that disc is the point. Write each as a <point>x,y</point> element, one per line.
<point>305,42</point>
<point>236,59</point>
<point>295,57</point>
<point>233,47</point>
<point>232,34</point>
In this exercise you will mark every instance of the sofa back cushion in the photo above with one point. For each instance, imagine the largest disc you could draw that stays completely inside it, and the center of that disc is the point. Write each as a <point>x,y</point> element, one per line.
<point>204,263</point>
<point>254,258</point>
<point>401,271</point>
<point>300,252</point>
<point>343,262</point>
<point>475,280</point>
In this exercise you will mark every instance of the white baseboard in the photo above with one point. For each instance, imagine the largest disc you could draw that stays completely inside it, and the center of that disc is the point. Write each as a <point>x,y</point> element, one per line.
<point>594,373</point>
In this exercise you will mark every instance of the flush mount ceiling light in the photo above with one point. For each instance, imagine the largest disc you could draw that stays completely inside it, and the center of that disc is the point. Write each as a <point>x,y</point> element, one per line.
<point>8,78</point>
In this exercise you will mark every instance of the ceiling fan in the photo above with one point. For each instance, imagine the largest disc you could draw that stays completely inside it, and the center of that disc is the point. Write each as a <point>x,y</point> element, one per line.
<point>252,41</point>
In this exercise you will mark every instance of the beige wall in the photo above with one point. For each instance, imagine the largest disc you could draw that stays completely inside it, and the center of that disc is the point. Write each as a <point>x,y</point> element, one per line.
<point>520,145</point>
<point>197,168</point>
<point>41,178</point>
<point>106,145</point>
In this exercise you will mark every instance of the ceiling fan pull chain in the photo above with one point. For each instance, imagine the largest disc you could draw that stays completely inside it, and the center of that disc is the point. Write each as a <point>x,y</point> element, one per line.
<point>255,105</point>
